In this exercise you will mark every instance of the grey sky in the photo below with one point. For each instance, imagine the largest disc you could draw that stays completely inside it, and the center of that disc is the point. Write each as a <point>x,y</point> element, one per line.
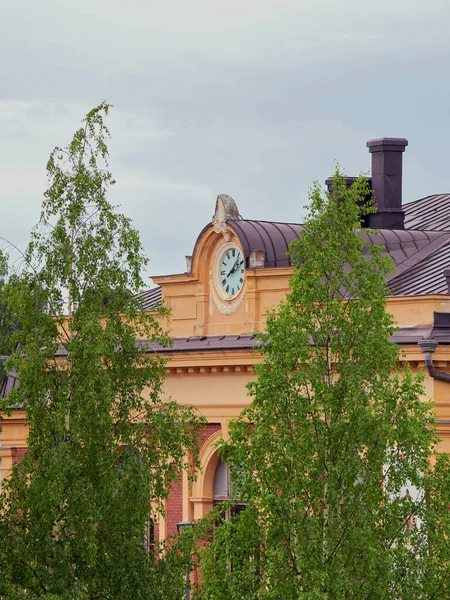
<point>250,98</point>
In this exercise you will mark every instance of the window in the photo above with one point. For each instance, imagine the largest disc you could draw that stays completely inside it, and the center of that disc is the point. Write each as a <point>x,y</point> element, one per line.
<point>150,535</point>
<point>223,489</point>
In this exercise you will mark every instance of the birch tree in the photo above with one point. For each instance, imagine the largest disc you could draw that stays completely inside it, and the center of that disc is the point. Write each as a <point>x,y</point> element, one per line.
<point>337,431</point>
<point>103,446</point>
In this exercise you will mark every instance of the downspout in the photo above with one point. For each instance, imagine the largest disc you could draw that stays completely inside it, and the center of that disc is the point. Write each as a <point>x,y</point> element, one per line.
<point>428,347</point>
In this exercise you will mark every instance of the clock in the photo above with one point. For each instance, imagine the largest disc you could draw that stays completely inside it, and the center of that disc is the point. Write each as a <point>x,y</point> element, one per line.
<point>229,271</point>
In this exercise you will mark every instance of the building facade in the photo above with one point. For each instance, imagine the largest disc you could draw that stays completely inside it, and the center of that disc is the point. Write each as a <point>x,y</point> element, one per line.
<point>237,272</point>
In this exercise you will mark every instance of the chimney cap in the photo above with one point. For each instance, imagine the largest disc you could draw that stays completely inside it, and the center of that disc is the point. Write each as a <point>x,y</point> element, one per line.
<point>387,144</point>
<point>348,180</point>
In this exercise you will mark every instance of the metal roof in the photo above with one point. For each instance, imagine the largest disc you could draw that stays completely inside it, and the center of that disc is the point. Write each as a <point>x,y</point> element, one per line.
<point>408,247</point>
<point>203,344</point>
<point>151,299</point>
<point>210,343</point>
<point>420,252</point>
<point>274,238</point>
<point>404,335</point>
<point>439,330</point>
<point>431,213</point>
<point>426,252</point>
<point>10,382</point>
<point>423,278</point>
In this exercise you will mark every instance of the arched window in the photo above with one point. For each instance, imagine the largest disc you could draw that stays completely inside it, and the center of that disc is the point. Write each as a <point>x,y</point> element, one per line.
<point>223,488</point>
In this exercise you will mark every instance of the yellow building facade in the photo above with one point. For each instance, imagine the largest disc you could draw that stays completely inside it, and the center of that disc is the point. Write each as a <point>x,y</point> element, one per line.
<point>238,271</point>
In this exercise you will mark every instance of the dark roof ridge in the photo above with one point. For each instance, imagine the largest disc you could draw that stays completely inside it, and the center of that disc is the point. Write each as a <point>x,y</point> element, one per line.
<point>422,254</point>
<point>430,212</point>
<point>434,260</point>
<point>271,241</point>
<point>363,229</point>
<point>265,221</point>
<point>273,237</point>
<point>417,200</point>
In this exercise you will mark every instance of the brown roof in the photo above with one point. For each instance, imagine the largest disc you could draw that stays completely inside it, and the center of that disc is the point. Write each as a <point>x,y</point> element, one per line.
<point>425,277</point>
<point>431,213</point>
<point>439,330</point>
<point>420,252</point>
<point>10,382</point>
<point>404,335</point>
<point>151,299</point>
<point>274,238</point>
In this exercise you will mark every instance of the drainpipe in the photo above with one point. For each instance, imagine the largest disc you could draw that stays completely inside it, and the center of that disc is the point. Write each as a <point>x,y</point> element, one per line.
<point>428,347</point>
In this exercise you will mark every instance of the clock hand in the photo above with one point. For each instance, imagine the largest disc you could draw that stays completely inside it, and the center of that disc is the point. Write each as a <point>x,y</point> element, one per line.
<point>236,266</point>
<point>233,268</point>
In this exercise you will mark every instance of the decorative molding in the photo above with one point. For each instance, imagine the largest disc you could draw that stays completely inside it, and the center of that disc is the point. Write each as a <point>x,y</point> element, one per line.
<point>227,308</point>
<point>246,368</point>
<point>226,208</point>
<point>202,489</point>
<point>172,370</point>
<point>221,227</point>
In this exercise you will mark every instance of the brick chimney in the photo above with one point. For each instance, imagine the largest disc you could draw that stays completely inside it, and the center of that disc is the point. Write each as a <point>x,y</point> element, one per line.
<point>349,181</point>
<point>387,182</point>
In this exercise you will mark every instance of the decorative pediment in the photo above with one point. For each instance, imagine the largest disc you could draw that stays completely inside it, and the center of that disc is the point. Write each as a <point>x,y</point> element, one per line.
<point>226,208</point>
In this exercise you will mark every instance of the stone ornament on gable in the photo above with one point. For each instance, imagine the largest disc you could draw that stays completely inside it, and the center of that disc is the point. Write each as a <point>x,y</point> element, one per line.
<point>226,209</point>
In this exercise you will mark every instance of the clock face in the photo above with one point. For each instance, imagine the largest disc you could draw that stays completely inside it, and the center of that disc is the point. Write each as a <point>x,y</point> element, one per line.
<point>231,271</point>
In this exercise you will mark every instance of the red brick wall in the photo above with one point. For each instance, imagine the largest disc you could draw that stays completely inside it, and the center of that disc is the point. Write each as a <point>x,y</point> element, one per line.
<point>174,507</point>
<point>17,454</point>
<point>174,503</point>
<point>207,432</point>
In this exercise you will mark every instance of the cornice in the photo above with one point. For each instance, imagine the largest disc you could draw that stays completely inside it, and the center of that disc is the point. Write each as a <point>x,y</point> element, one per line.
<point>163,280</point>
<point>173,370</point>
<point>16,417</point>
<point>428,299</point>
<point>244,361</point>
<point>225,361</point>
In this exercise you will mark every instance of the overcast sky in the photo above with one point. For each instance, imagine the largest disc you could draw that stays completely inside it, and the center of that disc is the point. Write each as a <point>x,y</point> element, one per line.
<point>250,98</point>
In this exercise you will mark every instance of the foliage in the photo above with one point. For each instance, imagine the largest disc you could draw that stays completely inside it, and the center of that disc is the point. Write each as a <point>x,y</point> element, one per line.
<point>336,432</point>
<point>103,445</point>
<point>9,323</point>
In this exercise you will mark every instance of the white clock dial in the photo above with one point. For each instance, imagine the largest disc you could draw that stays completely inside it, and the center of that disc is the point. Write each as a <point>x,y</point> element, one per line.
<point>231,271</point>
